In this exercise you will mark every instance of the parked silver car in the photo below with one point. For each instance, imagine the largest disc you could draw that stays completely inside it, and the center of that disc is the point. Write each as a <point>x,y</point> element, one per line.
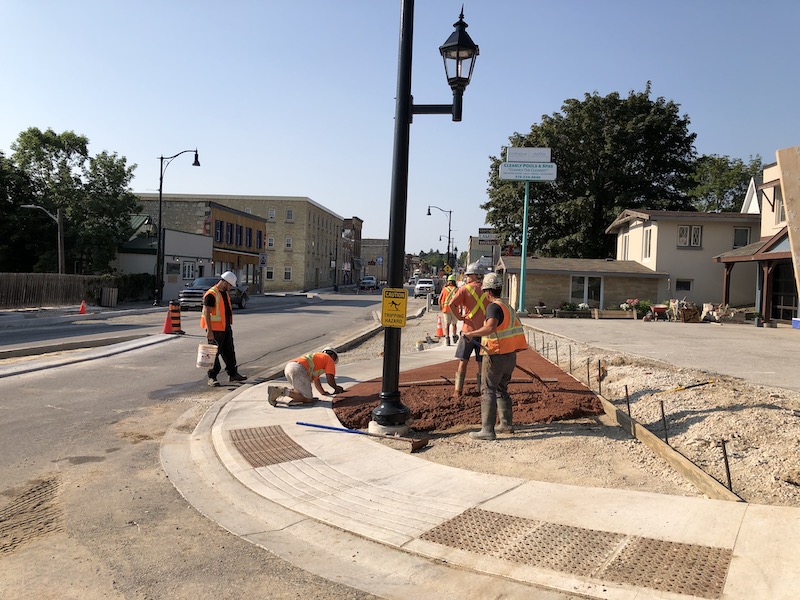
<point>191,297</point>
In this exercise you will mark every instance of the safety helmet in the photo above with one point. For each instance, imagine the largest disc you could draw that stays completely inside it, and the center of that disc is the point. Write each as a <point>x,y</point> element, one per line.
<point>230,277</point>
<point>491,282</point>
<point>474,269</point>
<point>451,278</point>
<point>332,353</point>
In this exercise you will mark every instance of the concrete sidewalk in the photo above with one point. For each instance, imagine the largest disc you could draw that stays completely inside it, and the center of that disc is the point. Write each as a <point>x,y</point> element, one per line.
<point>395,525</point>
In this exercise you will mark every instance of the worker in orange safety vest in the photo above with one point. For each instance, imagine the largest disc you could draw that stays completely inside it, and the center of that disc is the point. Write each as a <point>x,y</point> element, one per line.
<point>217,319</point>
<point>469,306</point>
<point>502,336</point>
<point>450,320</point>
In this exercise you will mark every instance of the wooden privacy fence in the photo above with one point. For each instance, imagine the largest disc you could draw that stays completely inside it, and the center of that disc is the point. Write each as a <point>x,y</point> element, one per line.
<point>29,290</point>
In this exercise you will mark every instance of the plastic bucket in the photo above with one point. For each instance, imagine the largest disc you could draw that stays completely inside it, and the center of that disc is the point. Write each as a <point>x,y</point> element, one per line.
<point>206,353</point>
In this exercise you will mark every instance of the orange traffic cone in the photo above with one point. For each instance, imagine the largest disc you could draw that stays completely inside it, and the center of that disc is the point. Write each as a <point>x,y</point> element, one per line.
<point>82,311</point>
<point>439,330</point>
<point>168,324</point>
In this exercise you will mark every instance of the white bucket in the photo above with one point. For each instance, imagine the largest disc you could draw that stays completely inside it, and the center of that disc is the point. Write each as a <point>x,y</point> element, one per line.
<point>206,353</point>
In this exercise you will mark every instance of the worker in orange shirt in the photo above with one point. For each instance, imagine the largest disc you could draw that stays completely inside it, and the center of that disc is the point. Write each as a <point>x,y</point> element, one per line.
<point>469,306</point>
<point>301,372</point>
<point>450,320</point>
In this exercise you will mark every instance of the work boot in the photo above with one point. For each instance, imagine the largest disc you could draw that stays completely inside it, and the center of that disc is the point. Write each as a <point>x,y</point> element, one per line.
<point>447,340</point>
<point>273,393</point>
<point>459,385</point>
<point>212,382</point>
<point>237,377</point>
<point>504,410</point>
<point>488,418</point>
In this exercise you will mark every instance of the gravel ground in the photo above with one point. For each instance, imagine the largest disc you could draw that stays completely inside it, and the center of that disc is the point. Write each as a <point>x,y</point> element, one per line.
<point>758,425</point>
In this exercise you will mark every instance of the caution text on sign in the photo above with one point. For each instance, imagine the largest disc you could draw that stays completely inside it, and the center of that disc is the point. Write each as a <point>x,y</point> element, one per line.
<point>393,307</point>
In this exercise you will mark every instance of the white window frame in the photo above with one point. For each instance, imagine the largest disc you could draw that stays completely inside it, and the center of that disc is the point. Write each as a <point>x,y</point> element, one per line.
<point>625,243</point>
<point>780,210</point>
<point>288,244</point>
<point>270,274</point>
<point>270,242</point>
<point>189,269</point>
<point>746,230</point>
<point>690,236</point>
<point>287,273</point>
<point>647,242</point>
<point>290,214</point>
<point>271,214</point>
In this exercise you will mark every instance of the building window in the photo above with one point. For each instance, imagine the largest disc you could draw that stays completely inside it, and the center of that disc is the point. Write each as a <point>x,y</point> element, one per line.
<point>219,227</point>
<point>270,274</point>
<point>690,236</point>
<point>228,233</point>
<point>624,247</point>
<point>189,269</point>
<point>239,234</point>
<point>290,214</point>
<point>270,242</point>
<point>741,236</point>
<point>585,290</point>
<point>259,239</point>
<point>288,243</point>
<point>287,273</point>
<point>271,214</point>
<point>648,238</point>
<point>780,211</point>
<point>683,285</point>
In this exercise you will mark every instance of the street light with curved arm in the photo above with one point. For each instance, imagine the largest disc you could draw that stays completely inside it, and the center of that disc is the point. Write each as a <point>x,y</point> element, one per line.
<point>164,162</point>
<point>59,219</point>
<point>449,217</point>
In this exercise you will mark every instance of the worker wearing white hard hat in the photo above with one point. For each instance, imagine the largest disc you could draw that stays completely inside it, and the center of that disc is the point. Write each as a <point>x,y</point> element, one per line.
<point>303,372</point>
<point>502,336</point>
<point>469,306</point>
<point>217,319</point>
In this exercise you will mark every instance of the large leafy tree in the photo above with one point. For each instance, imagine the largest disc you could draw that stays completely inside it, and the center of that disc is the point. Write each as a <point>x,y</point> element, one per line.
<point>720,182</point>
<point>612,153</point>
<point>93,192</point>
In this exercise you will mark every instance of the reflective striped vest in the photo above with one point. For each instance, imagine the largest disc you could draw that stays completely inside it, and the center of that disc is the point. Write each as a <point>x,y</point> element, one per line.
<point>446,297</point>
<point>310,362</point>
<point>509,337</point>
<point>218,312</point>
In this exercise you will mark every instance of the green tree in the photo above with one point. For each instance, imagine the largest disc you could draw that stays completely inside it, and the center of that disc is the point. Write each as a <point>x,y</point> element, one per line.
<point>612,153</point>
<point>721,182</point>
<point>93,192</point>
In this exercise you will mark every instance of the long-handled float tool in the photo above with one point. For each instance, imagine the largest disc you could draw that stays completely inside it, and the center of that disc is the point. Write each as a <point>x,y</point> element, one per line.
<point>415,444</point>
<point>544,380</point>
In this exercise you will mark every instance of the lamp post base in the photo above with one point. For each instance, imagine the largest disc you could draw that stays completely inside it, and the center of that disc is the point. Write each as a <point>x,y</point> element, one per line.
<point>391,412</point>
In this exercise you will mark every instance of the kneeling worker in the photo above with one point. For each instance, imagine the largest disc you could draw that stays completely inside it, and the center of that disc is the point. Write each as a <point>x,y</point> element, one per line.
<point>502,337</point>
<point>301,372</point>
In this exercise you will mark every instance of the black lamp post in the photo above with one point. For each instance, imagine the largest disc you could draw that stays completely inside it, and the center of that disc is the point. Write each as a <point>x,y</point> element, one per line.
<point>459,53</point>
<point>160,242</point>
<point>449,217</point>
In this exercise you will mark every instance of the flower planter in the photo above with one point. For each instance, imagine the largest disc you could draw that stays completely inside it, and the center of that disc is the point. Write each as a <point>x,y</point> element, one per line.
<point>572,314</point>
<point>601,313</point>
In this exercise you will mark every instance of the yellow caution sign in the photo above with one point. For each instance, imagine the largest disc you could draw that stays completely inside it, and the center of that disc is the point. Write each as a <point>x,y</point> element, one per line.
<point>393,307</point>
<point>447,269</point>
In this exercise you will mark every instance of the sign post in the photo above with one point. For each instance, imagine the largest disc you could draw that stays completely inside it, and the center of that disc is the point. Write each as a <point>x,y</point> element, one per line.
<point>526,164</point>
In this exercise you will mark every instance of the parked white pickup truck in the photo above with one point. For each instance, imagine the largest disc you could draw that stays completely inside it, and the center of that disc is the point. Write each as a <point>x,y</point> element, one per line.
<point>368,282</point>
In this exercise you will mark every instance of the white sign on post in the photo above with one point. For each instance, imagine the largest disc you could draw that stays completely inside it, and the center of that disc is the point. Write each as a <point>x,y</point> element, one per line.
<point>530,155</point>
<point>525,171</point>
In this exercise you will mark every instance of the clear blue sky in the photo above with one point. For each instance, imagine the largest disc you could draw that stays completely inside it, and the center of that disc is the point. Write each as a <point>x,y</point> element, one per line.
<point>296,97</point>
